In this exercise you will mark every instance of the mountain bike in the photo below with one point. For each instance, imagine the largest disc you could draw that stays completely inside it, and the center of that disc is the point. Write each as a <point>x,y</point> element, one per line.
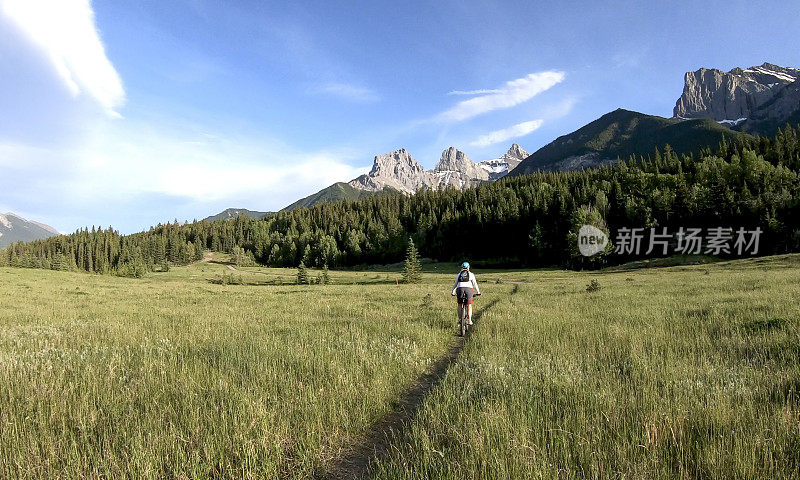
<point>463,321</point>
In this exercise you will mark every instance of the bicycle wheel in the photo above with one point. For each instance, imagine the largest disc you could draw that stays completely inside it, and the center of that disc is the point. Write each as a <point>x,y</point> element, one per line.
<point>463,320</point>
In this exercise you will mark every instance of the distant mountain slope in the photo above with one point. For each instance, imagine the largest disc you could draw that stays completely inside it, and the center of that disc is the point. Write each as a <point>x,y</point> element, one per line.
<point>619,134</point>
<point>235,212</point>
<point>14,228</point>
<point>336,192</point>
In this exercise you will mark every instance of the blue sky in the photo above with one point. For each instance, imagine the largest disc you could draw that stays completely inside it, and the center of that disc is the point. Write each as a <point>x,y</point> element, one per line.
<point>132,113</point>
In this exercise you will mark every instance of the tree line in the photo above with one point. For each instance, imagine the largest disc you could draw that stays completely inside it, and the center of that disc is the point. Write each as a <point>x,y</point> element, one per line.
<point>520,221</point>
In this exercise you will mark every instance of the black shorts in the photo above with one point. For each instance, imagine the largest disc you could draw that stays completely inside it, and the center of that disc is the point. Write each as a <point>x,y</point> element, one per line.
<point>464,292</point>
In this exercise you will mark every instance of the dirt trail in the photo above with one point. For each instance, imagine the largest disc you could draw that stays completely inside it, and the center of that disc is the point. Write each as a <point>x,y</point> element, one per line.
<point>208,257</point>
<point>356,460</point>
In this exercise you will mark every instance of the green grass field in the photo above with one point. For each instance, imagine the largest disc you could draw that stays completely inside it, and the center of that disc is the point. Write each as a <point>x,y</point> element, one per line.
<point>680,372</point>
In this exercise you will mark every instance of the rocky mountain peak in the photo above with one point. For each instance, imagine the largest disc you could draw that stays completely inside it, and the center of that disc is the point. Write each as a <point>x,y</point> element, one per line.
<point>731,97</point>
<point>399,161</point>
<point>14,228</point>
<point>500,167</point>
<point>516,153</point>
<point>397,170</point>
<point>457,170</point>
<point>453,159</point>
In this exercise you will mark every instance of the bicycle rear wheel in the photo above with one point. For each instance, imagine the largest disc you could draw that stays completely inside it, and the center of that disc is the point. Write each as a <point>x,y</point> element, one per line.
<point>463,320</point>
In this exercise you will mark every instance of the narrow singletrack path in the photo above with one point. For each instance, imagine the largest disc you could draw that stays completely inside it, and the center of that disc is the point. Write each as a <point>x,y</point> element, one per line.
<point>355,461</point>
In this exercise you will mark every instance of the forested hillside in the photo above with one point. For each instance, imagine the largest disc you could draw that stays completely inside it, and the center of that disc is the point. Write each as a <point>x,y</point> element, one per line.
<point>522,221</point>
<point>335,193</point>
<point>620,134</point>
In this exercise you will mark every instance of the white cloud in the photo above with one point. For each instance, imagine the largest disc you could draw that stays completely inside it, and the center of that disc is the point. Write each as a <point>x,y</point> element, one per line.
<point>223,180</point>
<point>132,175</point>
<point>346,91</point>
<point>202,168</point>
<point>559,109</point>
<point>518,130</point>
<point>65,30</point>
<point>473,92</point>
<point>512,93</point>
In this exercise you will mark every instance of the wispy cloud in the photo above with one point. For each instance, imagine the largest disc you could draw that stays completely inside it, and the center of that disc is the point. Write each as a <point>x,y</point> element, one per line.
<point>65,30</point>
<point>347,91</point>
<point>559,109</point>
<point>514,131</point>
<point>512,93</point>
<point>473,92</point>
<point>628,60</point>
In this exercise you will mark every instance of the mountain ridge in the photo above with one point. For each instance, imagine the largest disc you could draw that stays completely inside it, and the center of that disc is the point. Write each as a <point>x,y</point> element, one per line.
<point>756,100</point>
<point>14,228</point>
<point>339,191</point>
<point>400,172</point>
<point>619,134</point>
<point>714,105</point>
<point>229,213</point>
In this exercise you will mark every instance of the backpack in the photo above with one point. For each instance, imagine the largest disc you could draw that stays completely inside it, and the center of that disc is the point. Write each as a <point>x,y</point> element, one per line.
<point>463,277</point>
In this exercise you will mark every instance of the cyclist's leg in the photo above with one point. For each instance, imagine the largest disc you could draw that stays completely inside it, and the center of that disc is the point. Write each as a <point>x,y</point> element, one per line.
<point>469,312</point>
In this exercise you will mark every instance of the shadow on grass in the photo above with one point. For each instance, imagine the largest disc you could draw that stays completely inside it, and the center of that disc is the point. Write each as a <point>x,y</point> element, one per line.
<point>356,460</point>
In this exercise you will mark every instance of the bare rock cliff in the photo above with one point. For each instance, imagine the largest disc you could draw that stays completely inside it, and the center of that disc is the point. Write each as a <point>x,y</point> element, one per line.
<point>733,96</point>
<point>457,170</point>
<point>397,170</point>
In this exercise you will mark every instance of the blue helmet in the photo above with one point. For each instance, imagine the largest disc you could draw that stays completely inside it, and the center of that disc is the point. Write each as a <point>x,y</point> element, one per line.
<point>465,266</point>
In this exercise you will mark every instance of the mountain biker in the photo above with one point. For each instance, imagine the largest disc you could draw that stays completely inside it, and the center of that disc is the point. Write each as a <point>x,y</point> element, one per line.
<point>463,288</point>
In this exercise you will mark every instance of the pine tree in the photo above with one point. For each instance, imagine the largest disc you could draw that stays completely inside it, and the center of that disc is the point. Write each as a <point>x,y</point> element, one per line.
<point>412,273</point>
<point>326,278</point>
<point>302,274</point>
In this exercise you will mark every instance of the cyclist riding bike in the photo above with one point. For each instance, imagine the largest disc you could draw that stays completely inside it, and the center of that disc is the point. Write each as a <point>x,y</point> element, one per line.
<point>463,290</point>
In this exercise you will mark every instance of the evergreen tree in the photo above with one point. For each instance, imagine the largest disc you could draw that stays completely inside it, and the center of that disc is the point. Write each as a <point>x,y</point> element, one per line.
<point>326,278</point>
<point>412,272</point>
<point>751,183</point>
<point>302,274</point>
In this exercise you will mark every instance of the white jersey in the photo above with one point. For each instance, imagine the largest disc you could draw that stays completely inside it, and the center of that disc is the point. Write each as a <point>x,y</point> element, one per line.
<point>472,283</point>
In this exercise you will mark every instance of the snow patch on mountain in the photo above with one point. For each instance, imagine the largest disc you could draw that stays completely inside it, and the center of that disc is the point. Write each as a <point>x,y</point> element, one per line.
<point>500,167</point>
<point>768,71</point>
<point>496,166</point>
<point>732,123</point>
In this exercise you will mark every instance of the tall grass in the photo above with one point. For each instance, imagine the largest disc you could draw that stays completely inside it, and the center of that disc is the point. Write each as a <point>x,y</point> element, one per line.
<point>685,372</point>
<point>676,373</point>
<point>104,377</point>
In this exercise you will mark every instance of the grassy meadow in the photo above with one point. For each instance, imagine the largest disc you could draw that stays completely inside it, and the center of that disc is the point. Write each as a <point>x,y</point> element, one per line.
<point>205,372</point>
